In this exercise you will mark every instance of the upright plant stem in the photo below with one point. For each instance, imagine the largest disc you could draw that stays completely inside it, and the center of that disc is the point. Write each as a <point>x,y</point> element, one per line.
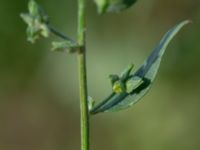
<point>82,76</point>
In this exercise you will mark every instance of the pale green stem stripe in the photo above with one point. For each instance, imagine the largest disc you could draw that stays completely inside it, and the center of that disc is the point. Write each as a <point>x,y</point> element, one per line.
<point>82,76</point>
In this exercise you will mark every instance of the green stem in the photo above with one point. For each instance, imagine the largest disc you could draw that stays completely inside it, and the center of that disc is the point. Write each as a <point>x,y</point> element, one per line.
<point>59,34</point>
<point>82,76</point>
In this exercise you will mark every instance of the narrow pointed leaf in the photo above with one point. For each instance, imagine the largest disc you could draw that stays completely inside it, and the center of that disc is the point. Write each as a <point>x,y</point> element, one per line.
<point>126,73</point>
<point>147,73</point>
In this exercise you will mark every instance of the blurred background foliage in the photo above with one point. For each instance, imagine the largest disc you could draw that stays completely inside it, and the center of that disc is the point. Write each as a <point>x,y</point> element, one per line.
<point>39,105</point>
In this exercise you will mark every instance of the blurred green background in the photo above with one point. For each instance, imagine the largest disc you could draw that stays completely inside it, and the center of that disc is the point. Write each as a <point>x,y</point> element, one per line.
<point>39,105</point>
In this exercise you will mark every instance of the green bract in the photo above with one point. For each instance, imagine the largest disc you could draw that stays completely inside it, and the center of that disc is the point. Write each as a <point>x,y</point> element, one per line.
<point>113,5</point>
<point>65,46</point>
<point>91,102</point>
<point>138,83</point>
<point>37,22</point>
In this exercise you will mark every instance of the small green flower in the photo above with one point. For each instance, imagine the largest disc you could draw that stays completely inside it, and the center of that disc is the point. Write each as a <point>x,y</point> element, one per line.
<point>119,82</point>
<point>37,22</point>
<point>119,87</point>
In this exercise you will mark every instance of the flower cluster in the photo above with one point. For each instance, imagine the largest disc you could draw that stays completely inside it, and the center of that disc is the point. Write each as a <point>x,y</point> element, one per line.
<point>37,22</point>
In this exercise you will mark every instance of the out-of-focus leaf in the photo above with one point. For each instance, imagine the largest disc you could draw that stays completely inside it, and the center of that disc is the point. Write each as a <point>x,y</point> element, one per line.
<point>118,82</point>
<point>33,8</point>
<point>113,5</point>
<point>139,83</point>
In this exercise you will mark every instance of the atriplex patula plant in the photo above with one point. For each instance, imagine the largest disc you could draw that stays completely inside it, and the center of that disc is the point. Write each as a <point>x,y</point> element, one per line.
<point>127,88</point>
